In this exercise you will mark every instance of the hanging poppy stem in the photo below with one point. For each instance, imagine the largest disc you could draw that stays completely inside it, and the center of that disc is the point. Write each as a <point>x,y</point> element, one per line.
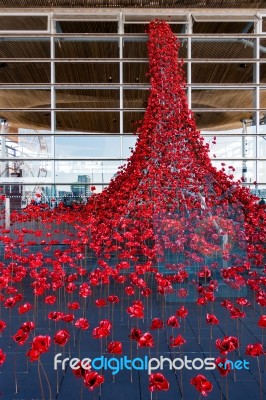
<point>234,368</point>
<point>131,374</point>
<point>258,362</point>
<point>40,380</point>
<point>112,320</point>
<point>57,382</point>
<point>199,324</point>
<point>237,328</point>
<point>47,380</point>
<point>157,342</point>
<point>15,372</point>
<point>181,378</point>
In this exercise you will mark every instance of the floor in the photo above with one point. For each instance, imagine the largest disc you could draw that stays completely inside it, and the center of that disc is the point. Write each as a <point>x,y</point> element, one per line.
<point>24,380</point>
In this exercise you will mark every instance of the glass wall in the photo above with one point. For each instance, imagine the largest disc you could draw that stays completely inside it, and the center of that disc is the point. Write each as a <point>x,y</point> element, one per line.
<point>74,88</point>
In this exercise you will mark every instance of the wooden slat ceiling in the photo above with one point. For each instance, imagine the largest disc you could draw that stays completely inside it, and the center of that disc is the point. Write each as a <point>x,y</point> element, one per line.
<point>108,73</point>
<point>134,3</point>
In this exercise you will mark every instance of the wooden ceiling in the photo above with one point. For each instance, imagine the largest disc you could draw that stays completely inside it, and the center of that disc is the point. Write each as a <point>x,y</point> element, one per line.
<point>107,74</point>
<point>134,3</point>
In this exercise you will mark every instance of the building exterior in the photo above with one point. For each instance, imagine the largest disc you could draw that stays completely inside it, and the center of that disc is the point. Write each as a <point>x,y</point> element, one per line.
<point>74,88</point>
<point>82,187</point>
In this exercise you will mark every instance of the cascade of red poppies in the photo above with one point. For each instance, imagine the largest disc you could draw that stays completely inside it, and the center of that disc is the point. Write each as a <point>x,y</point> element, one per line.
<point>169,203</point>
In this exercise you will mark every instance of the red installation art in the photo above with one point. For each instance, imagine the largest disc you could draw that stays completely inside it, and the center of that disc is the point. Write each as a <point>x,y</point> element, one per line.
<point>169,204</point>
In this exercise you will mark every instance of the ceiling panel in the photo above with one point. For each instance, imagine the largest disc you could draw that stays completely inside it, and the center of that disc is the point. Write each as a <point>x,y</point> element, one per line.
<point>134,3</point>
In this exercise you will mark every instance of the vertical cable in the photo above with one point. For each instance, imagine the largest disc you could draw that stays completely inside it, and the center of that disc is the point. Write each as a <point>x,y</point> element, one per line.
<point>53,102</point>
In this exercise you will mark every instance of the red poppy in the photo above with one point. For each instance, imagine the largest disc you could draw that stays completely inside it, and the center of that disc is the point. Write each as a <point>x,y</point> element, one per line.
<point>129,290</point>
<point>27,326</point>
<point>100,302</point>
<point>115,348</point>
<point>21,337</point>
<point>42,343</point>
<point>113,299</point>
<point>262,321</point>
<point>92,379</point>
<point>135,334</point>
<point>2,357</point>
<point>254,350</point>
<point>10,302</point>
<point>261,299</point>
<point>156,323</point>
<point>105,324</point>
<point>33,354</point>
<point>85,290</point>
<point>227,344</point>
<point>67,317</point>
<point>202,384</point>
<point>11,290</point>
<point>73,306</point>
<point>2,325</point>
<point>236,313</point>
<point>61,337</point>
<point>204,272</point>
<point>158,382</point>
<point>201,301</point>
<point>55,315</point>
<point>223,366</point>
<point>146,340</point>
<point>71,287</point>
<point>182,312</point>
<point>146,292</point>
<point>242,301</point>
<point>82,323</point>
<point>136,310</point>
<point>177,341</point>
<point>227,304</point>
<point>50,299</point>
<point>173,322</point>
<point>24,308</point>
<point>212,319</point>
<point>103,330</point>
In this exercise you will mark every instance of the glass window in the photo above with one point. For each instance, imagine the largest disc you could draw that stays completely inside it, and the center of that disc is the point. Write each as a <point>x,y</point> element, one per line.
<point>26,72</point>
<point>241,72</point>
<point>223,98</point>
<point>86,26</point>
<point>86,48</point>
<point>222,26</point>
<point>135,72</point>
<point>87,146</point>
<point>85,72</point>
<point>101,121</point>
<point>98,172</point>
<point>241,48</point>
<point>23,23</point>
<point>87,98</point>
<point>23,47</point>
